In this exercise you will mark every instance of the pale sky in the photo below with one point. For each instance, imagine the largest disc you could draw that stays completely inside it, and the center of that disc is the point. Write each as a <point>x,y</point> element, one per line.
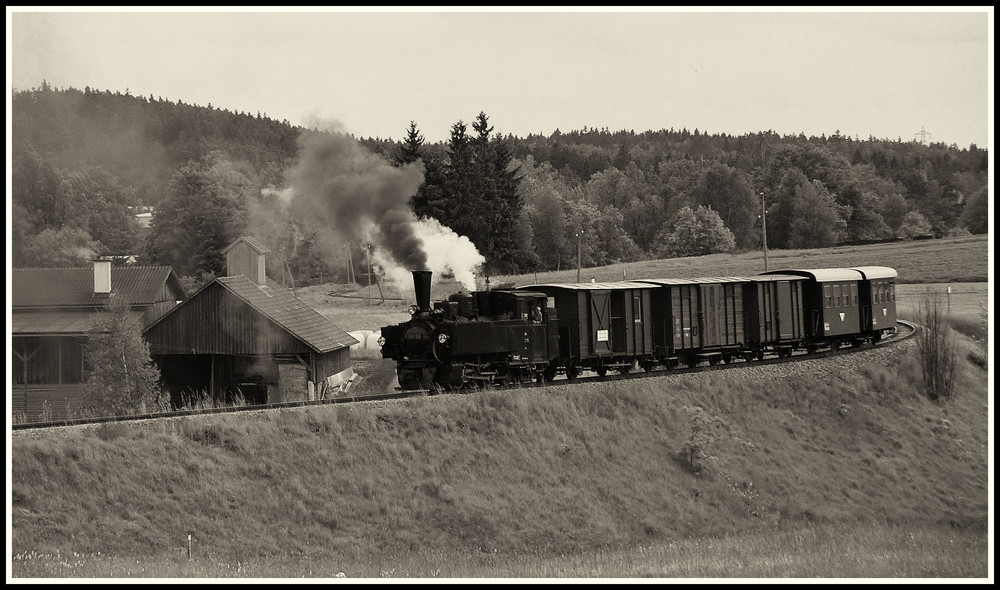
<point>885,74</point>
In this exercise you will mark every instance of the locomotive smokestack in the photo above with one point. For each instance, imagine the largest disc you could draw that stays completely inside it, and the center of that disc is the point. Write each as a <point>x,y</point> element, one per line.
<point>422,289</point>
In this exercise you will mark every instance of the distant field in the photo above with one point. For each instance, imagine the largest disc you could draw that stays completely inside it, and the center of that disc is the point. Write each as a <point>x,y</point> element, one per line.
<point>960,262</point>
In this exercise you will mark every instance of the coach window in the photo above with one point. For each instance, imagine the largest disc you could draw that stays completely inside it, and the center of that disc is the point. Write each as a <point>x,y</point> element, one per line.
<point>892,291</point>
<point>637,309</point>
<point>854,295</point>
<point>827,297</point>
<point>836,295</point>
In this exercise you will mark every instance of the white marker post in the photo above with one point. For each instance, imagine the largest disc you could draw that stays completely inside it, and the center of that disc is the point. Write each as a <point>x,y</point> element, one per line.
<point>189,547</point>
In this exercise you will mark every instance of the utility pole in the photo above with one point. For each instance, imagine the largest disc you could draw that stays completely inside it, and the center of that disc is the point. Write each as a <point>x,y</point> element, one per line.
<point>763,224</point>
<point>350,265</point>
<point>579,239</point>
<point>368,251</point>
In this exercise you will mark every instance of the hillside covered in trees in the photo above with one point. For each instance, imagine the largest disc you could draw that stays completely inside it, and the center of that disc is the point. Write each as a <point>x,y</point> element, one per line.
<point>84,162</point>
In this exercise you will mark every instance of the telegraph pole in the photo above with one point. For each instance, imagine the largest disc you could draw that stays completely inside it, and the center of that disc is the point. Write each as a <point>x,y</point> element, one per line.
<point>579,239</point>
<point>368,251</point>
<point>763,224</point>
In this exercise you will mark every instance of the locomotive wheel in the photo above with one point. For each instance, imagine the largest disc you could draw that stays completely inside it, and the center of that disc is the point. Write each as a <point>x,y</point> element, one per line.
<point>713,360</point>
<point>691,362</point>
<point>572,372</point>
<point>810,349</point>
<point>835,345</point>
<point>601,371</point>
<point>646,366</point>
<point>549,373</point>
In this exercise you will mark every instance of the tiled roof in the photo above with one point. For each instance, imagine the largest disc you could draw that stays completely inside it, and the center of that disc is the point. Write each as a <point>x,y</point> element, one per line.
<point>57,322</point>
<point>291,313</point>
<point>74,287</point>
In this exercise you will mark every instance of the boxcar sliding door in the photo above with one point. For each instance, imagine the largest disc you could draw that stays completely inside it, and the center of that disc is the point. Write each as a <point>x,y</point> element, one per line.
<point>600,322</point>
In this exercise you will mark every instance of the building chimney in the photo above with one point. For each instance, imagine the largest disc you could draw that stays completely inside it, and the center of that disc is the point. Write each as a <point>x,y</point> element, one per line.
<point>102,276</point>
<point>422,289</point>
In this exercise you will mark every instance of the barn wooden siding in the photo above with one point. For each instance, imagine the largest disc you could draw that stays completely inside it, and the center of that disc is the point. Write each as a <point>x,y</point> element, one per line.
<point>245,256</point>
<point>216,322</point>
<point>166,299</point>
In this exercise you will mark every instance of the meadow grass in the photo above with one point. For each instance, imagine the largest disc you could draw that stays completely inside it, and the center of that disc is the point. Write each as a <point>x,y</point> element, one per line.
<point>581,481</point>
<point>821,550</point>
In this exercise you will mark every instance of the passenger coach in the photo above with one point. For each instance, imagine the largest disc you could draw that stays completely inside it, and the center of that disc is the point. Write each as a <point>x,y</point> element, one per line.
<point>878,300</point>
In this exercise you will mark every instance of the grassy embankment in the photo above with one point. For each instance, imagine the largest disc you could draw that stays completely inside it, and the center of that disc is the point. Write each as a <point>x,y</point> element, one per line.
<point>840,475</point>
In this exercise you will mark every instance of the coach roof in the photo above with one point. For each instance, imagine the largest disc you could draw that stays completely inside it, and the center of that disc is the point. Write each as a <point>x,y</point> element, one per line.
<point>876,272</point>
<point>822,275</point>
<point>696,281</point>
<point>614,285</point>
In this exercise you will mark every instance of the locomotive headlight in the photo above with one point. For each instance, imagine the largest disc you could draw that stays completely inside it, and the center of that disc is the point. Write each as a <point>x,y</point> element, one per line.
<point>442,338</point>
<point>413,309</point>
<point>381,340</point>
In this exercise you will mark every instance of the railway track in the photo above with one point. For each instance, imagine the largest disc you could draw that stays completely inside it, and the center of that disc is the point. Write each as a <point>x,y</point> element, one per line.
<point>904,330</point>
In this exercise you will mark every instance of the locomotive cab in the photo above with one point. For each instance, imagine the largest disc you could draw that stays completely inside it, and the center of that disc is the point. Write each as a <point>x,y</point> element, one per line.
<point>480,337</point>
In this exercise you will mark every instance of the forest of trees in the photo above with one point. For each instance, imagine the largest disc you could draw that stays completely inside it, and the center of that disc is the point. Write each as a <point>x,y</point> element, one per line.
<point>84,161</point>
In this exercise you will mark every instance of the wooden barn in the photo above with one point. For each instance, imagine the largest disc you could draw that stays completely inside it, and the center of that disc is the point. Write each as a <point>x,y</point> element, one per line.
<point>52,311</point>
<point>246,335</point>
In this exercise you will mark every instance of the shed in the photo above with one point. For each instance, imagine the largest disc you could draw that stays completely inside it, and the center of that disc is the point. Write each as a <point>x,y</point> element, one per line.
<point>246,335</point>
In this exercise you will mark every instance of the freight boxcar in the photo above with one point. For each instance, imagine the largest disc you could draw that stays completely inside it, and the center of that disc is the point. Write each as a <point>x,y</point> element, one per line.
<point>774,318</point>
<point>601,326</point>
<point>697,320</point>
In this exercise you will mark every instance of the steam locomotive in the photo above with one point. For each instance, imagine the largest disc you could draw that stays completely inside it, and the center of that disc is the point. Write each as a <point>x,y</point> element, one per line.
<point>537,332</point>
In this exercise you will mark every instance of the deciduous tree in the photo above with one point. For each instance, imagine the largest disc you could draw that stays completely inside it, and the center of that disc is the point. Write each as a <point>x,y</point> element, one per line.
<point>122,378</point>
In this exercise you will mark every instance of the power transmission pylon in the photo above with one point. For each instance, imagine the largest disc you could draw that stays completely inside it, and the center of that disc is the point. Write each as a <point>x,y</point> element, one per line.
<point>923,134</point>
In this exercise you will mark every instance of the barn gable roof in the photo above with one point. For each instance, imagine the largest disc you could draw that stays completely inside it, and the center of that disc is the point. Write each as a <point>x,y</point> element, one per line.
<point>74,287</point>
<point>261,248</point>
<point>280,305</point>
